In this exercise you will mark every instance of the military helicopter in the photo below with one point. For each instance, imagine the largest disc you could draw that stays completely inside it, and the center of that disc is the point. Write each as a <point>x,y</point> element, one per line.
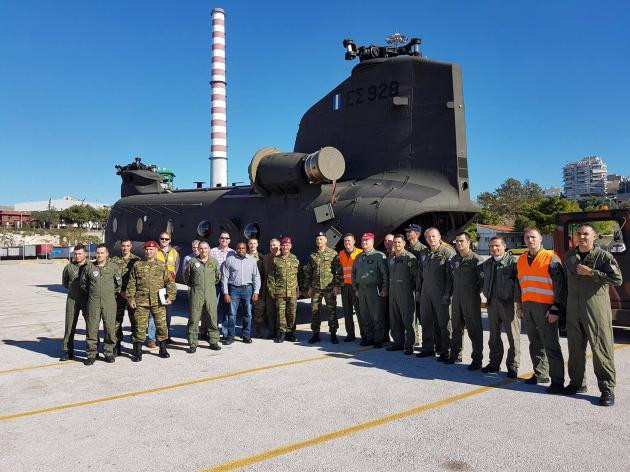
<point>383,149</point>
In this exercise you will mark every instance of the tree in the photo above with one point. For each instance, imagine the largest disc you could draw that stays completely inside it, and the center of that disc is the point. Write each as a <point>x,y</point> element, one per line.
<point>602,227</point>
<point>542,213</point>
<point>79,214</point>
<point>46,218</point>
<point>484,217</point>
<point>509,198</point>
<point>99,216</point>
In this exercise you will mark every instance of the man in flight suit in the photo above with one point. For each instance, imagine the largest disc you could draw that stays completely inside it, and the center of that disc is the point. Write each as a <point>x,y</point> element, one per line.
<point>76,301</point>
<point>403,271</point>
<point>414,246</point>
<point>590,271</point>
<point>370,280</point>
<point>101,280</point>
<point>498,279</point>
<point>463,284</point>
<point>202,277</point>
<point>434,308</point>
<point>540,297</point>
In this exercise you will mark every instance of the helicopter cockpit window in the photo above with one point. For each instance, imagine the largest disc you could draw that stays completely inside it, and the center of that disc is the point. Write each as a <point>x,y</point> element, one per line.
<point>204,229</point>
<point>139,225</point>
<point>610,235</point>
<point>252,230</point>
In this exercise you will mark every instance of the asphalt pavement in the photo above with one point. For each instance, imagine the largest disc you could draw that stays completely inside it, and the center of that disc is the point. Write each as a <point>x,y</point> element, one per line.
<point>290,406</point>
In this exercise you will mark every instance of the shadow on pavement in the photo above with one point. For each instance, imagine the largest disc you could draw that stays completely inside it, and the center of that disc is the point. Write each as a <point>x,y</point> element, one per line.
<point>48,346</point>
<point>58,288</point>
<point>393,362</point>
<point>430,369</point>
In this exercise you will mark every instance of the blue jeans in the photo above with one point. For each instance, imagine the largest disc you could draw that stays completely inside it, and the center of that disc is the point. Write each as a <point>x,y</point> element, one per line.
<point>241,296</point>
<point>151,325</point>
<point>223,312</point>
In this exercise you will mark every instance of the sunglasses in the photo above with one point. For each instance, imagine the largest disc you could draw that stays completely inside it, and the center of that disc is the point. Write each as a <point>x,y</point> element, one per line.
<point>224,238</point>
<point>165,239</point>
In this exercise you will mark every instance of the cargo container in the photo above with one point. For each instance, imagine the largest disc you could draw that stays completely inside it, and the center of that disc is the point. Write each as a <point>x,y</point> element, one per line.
<point>60,252</point>
<point>44,250</point>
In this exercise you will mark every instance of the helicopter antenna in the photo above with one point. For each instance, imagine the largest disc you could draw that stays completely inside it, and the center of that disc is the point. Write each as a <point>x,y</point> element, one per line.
<point>396,39</point>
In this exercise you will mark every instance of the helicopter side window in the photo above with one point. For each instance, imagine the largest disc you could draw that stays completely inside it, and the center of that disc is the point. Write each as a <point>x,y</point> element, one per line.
<point>139,225</point>
<point>252,230</point>
<point>115,225</point>
<point>169,227</point>
<point>204,229</point>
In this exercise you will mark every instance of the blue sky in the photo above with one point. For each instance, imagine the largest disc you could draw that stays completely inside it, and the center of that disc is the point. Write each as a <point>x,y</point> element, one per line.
<point>85,85</point>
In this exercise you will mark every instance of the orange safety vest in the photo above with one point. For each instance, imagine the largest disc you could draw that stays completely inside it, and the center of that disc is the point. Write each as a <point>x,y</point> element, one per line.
<point>346,263</point>
<point>535,281</point>
<point>171,259</point>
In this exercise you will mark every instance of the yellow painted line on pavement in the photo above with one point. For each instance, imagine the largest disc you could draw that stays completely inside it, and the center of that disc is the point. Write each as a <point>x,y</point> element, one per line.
<point>189,383</point>
<point>41,366</point>
<point>296,446</point>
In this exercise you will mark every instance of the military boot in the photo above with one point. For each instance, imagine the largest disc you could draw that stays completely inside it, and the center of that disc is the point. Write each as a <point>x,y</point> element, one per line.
<point>314,339</point>
<point>163,352</point>
<point>279,338</point>
<point>137,352</point>
<point>333,338</point>
<point>67,355</point>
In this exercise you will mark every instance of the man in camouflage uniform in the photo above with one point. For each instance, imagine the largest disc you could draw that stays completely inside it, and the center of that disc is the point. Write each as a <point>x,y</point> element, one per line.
<point>101,280</point>
<point>323,279</point>
<point>76,301</point>
<point>590,271</point>
<point>403,271</point>
<point>125,262</point>
<point>414,246</point>
<point>282,283</point>
<point>145,280</point>
<point>370,280</point>
<point>498,278</point>
<point>463,285</point>
<point>434,306</point>
<point>202,277</point>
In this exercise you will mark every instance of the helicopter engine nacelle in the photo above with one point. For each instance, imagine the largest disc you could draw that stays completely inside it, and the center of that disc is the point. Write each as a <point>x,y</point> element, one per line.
<point>273,171</point>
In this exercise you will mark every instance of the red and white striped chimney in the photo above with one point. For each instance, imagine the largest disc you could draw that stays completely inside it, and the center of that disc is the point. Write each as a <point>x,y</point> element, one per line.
<point>218,129</point>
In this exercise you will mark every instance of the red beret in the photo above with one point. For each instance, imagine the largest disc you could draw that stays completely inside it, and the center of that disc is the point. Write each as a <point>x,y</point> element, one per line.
<point>286,239</point>
<point>151,244</point>
<point>367,236</point>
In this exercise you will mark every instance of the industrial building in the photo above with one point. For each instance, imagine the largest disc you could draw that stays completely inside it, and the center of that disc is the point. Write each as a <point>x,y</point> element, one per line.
<point>55,204</point>
<point>14,219</point>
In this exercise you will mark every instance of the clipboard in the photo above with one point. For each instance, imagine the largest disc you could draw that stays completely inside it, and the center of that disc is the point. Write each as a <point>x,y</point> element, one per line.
<point>162,295</point>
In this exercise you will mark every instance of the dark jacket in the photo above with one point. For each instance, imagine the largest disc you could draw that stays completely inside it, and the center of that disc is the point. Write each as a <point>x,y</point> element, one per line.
<point>498,278</point>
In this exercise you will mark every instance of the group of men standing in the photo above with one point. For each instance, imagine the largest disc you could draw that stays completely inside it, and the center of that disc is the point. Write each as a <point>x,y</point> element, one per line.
<point>423,295</point>
<point>104,288</point>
